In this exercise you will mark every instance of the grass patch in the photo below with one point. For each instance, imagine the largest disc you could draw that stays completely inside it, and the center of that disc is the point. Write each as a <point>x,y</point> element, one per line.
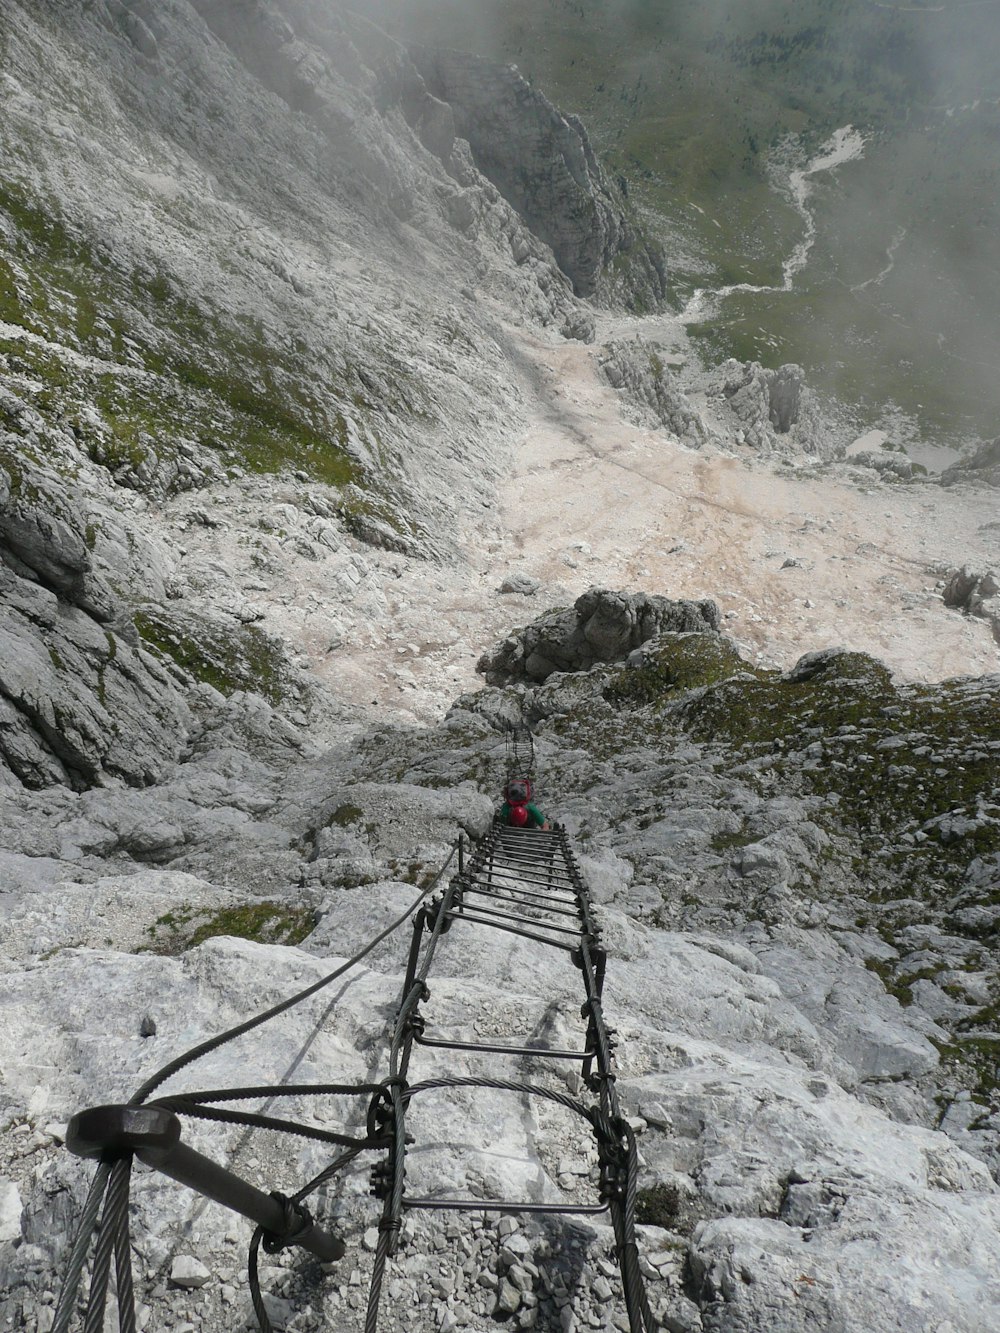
<point>346,815</point>
<point>265,922</point>
<point>229,659</point>
<point>907,772</point>
<point>216,383</point>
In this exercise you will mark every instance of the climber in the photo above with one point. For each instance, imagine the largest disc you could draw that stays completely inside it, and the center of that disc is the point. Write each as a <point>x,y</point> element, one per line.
<point>518,810</point>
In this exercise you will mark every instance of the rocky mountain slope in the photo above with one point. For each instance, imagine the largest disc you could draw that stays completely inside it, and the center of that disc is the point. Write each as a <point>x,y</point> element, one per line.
<point>716,112</point>
<point>296,373</point>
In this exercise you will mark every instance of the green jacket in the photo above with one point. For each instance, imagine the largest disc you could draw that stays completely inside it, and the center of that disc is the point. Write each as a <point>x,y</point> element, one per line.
<point>535,817</point>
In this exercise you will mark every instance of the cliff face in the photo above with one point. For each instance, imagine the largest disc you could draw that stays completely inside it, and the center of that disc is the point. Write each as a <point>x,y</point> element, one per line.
<point>238,240</point>
<point>543,164</point>
<point>269,303</point>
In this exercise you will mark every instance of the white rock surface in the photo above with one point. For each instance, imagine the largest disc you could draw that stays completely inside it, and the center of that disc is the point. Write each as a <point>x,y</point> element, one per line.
<point>10,1211</point>
<point>827,1168</point>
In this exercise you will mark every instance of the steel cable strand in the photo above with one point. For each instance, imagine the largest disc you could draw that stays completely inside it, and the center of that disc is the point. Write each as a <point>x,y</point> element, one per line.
<point>123,1270</point>
<point>220,1115</point>
<point>631,1193</point>
<point>392,1203</point>
<point>375,1290</point>
<point>399,1059</point>
<point>253,1282</point>
<point>207,1095</point>
<point>392,1207</point>
<point>259,1235</point>
<point>81,1243</point>
<point>632,1306</point>
<point>326,1174</point>
<point>640,1314</point>
<point>115,1205</point>
<point>100,1186</point>
<point>213,1043</point>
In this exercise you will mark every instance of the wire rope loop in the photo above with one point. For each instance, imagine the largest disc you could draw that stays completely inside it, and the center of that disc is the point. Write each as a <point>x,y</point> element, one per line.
<point>253,1282</point>
<point>380,1108</point>
<point>296,1218</point>
<point>213,1044</point>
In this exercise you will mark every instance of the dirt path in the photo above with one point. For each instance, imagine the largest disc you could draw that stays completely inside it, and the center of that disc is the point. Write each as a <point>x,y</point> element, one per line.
<point>795,563</point>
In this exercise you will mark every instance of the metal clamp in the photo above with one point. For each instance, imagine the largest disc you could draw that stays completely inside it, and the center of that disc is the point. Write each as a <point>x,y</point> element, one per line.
<point>153,1135</point>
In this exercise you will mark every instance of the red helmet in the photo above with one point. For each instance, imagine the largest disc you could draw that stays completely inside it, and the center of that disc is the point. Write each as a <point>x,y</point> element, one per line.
<point>518,791</point>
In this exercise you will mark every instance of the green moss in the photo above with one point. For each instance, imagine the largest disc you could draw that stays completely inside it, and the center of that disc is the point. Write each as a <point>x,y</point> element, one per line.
<point>905,772</point>
<point>241,658</point>
<point>10,304</point>
<point>679,662</point>
<point>220,383</point>
<point>730,842</point>
<point>268,923</point>
<point>265,922</point>
<point>345,815</point>
<point>975,1063</point>
<point>901,984</point>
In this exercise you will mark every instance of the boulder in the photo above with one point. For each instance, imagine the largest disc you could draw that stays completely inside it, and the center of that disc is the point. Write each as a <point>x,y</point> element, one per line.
<point>601,626</point>
<point>522,584</point>
<point>983,468</point>
<point>976,594</point>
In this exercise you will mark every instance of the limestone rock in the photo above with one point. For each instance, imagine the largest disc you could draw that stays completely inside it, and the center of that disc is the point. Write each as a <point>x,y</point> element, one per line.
<point>983,468</point>
<point>189,1272</point>
<point>637,368</point>
<point>602,626</point>
<point>79,699</point>
<point>523,585</point>
<point>890,464</point>
<point>10,1211</point>
<point>976,594</point>
<point>543,163</point>
<point>580,327</point>
<point>771,410</point>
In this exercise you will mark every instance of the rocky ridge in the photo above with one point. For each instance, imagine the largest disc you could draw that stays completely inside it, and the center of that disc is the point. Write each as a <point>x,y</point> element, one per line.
<point>796,872</point>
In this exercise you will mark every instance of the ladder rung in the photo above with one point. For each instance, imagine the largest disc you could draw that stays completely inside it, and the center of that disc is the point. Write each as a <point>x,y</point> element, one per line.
<point>497,1206</point>
<point>548,1052</point>
<point>513,930</point>
<point>509,916</point>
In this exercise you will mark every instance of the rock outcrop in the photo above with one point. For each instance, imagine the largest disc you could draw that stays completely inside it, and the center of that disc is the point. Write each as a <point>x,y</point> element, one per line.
<point>771,410</point>
<point>601,626</point>
<point>543,163</point>
<point>890,464</point>
<point>638,370</point>
<point>983,468</point>
<point>976,594</point>
<point>80,701</point>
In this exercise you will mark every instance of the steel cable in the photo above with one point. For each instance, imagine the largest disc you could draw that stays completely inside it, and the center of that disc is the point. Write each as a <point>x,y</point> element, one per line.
<point>214,1043</point>
<point>81,1243</point>
<point>389,1100</point>
<point>114,1217</point>
<point>107,1182</point>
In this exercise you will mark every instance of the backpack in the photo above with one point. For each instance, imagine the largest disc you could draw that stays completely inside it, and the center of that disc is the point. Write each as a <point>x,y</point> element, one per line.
<point>518,794</point>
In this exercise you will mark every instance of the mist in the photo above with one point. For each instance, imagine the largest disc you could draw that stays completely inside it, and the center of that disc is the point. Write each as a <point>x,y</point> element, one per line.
<point>896,311</point>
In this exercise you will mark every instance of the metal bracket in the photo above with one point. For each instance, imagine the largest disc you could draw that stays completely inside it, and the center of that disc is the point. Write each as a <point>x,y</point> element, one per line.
<point>153,1135</point>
